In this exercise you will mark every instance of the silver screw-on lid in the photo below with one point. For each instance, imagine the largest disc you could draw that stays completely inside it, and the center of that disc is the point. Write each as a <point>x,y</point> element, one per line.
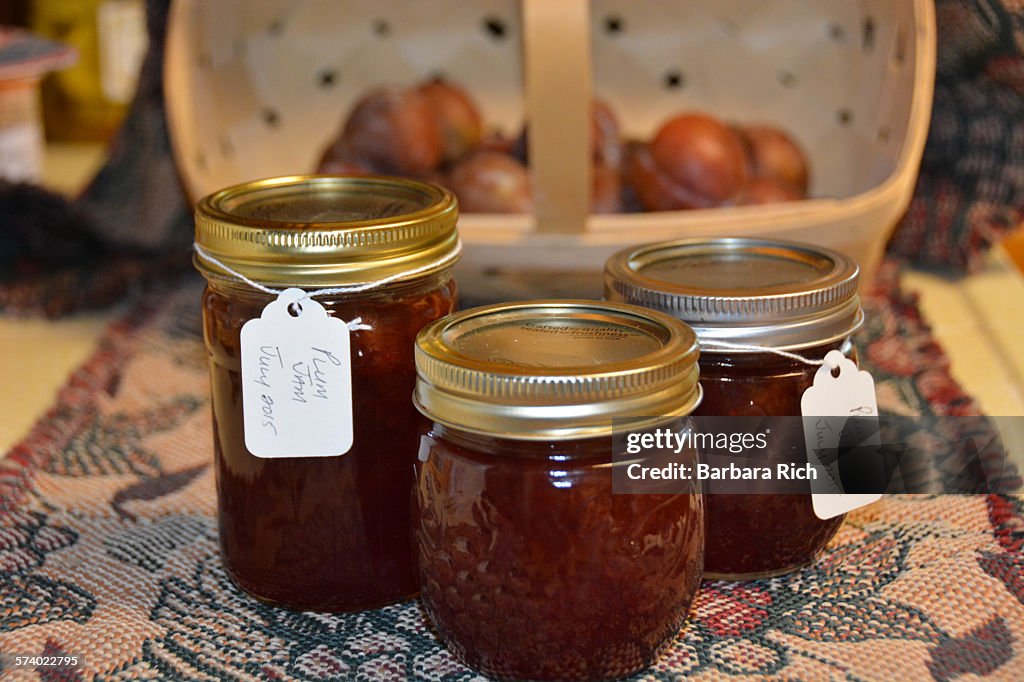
<point>760,292</point>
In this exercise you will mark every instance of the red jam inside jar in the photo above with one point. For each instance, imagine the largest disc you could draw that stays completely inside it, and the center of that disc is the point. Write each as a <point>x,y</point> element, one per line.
<point>789,535</point>
<point>325,533</point>
<point>761,295</point>
<point>530,566</point>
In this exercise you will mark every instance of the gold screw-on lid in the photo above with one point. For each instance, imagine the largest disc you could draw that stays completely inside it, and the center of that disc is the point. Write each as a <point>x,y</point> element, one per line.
<point>554,370</point>
<point>323,230</point>
<point>762,292</point>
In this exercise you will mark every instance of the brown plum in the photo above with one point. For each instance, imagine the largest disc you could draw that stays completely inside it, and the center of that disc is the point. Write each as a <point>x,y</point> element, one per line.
<point>774,154</point>
<point>491,182</point>
<point>605,139</point>
<point>768,191</point>
<point>606,190</point>
<point>654,190</point>
<point>702,155</point>
<point>390,130</point>
<point>456,115</point>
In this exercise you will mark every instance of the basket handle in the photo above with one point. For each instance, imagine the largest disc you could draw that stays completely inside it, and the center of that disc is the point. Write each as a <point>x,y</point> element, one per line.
<point>557,66</point>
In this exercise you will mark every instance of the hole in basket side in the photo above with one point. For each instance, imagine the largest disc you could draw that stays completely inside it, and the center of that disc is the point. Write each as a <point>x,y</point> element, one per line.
<point>899,48</point>
<point>613,24</point>
<point>787,79</point>
<point>673,80</point>
<point>867,37</point>
<point>495,28</point>
<point>326,78</point>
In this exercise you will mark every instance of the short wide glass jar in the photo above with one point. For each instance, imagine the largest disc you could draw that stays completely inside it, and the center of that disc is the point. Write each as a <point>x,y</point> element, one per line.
<point>325,533</point>
<point>742,295</point>
<point>530,567</point>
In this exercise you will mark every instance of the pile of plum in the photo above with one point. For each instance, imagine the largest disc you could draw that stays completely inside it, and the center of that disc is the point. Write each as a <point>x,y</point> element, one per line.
<point>434,131</point>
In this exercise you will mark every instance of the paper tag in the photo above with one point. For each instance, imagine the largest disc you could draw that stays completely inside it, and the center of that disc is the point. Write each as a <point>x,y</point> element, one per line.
<point>296,381</point>
<point>832,400</point>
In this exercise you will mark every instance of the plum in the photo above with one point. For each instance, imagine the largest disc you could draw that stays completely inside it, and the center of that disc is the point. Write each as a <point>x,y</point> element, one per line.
<point>774,154</point>
<point>389,130</point>
<point>491,182</point>
<point>457,117</point>
<point>701,155</point>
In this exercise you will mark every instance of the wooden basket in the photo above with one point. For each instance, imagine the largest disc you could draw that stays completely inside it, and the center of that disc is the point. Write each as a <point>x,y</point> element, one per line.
<point>259,87</point>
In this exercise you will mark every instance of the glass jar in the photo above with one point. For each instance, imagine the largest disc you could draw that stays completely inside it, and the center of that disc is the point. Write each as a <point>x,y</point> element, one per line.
<point>88,102</point>
<point>325,533</point>
<point>530,567</point>
<point>762,296</point>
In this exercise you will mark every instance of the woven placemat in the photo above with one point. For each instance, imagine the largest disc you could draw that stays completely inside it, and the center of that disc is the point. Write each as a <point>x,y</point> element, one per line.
<point>108,547</point>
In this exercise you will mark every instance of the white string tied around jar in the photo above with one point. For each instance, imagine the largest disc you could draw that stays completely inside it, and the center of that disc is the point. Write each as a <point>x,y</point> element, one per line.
<point>355,324</point>
<point>831,362</point>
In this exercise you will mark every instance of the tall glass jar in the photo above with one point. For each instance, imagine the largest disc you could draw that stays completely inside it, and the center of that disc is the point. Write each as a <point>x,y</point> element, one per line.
<point>325,533</point>
<point>747,299</point>
<point>530,567</point>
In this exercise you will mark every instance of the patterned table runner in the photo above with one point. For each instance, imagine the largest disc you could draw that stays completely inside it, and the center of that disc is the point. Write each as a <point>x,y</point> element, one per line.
<point>108,547</point>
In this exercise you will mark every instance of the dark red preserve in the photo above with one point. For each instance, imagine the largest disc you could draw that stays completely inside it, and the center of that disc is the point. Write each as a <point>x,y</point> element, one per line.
<point>325,533</point>
<point>531,568</point>
<point>755,294</point>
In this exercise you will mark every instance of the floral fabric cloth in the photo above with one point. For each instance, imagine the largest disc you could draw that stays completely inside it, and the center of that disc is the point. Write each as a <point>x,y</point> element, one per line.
<point>970,191</point>
<point>108,548</point>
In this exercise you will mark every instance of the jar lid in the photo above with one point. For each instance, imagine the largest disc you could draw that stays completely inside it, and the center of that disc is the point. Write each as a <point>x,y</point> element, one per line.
<point>745,291</point>
<point>323,230</point>
<point>555,369</point>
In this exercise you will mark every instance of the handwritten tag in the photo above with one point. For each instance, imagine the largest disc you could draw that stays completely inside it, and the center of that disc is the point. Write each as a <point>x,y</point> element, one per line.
<point>296,380</point>
<point>831,435</point>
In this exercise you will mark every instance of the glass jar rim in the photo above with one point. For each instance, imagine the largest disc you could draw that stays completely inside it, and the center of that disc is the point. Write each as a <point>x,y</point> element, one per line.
<point>555,369</point>
<point>324,230</point>
<point>762,292</point>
